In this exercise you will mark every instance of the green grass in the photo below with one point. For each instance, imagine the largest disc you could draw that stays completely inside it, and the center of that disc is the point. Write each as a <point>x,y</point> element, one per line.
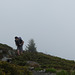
<point>11,69</point>
<point>63,72</point>
<point>46,61</point>
<point>51,70</point>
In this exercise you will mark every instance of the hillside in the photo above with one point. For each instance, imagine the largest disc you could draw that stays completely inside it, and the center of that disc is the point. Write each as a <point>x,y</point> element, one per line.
<point>6,51</point>
<point>46,61</point>
<point>40,60</point>
<point>9,68</point>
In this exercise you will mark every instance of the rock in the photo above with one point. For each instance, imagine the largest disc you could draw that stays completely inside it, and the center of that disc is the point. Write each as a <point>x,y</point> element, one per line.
<point>6,59</point>
<point>33,64</point>
<point>31,68</point>
<point>1,51</point>
<point>42,70</point>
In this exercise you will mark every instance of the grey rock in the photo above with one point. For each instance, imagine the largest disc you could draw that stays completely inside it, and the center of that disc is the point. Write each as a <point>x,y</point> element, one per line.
<point>6,59</point>
<point>1,51</point>
<point>33,64</point>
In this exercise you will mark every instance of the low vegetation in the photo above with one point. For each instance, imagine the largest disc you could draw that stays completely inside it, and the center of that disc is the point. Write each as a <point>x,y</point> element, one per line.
<point>51,70</point>
<point>46,61</point>
<point>11,69</point>
<point>19,65</point>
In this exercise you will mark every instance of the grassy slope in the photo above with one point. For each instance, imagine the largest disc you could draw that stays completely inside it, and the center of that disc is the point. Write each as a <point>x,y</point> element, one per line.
<point>46,61</point>
<point>11,69</point>
<point>8,68</point>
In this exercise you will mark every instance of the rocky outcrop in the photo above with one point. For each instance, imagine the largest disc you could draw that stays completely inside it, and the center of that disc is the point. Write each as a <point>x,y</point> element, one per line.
<point>6,52</point>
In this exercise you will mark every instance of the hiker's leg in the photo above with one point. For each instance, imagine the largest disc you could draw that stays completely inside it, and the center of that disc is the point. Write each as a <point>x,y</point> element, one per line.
<point>21,52</point>
<point>18,52</point>
<point>21,49</point>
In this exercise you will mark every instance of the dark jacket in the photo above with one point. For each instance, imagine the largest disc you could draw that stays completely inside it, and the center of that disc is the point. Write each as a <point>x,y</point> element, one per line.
<point>17,42</point>
<point>21,42</point>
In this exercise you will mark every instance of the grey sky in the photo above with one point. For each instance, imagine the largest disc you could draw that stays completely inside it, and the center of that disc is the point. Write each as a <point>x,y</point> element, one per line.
<point>51,23</point>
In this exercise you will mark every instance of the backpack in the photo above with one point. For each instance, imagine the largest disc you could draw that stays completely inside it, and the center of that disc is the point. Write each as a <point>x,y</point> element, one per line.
<point>21,41</point>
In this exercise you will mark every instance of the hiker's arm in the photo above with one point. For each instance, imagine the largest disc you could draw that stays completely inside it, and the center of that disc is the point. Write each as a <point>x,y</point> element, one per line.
<point>15,43</point>
<point>22,43</point>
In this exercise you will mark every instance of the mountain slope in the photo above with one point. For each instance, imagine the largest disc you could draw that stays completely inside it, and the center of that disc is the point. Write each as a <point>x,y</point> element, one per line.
<point>46,61</point>
<point>6,51</point>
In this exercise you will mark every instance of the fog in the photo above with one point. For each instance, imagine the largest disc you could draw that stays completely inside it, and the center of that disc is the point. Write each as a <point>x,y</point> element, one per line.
<point>51,23</point>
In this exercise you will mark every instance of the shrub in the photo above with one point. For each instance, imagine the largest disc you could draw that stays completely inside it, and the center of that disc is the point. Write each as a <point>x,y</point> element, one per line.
<point>73,73</point>
<point>38,69</point>
<point>1,72</point>
<point>11,69</point>
<point>51,70</point>
<point>63,72</point>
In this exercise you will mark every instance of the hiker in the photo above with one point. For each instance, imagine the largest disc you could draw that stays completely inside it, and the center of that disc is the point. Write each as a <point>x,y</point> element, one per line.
<point>19,43</point>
